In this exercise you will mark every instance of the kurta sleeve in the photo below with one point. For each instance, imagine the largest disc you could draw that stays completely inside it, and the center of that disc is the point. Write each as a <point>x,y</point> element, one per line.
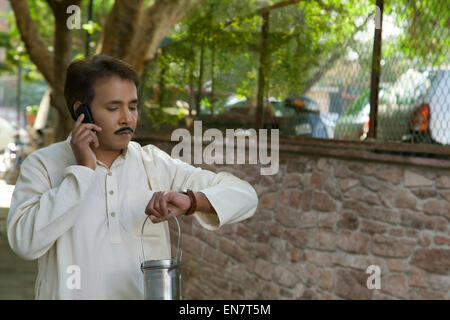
<point>232,198</point>
<point>40,214</point>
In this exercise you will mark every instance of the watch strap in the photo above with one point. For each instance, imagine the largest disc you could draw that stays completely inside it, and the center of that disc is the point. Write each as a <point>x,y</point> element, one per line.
<point>193,206</point>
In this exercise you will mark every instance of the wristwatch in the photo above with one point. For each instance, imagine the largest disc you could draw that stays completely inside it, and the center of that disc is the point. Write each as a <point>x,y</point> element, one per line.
<point>191,196</point>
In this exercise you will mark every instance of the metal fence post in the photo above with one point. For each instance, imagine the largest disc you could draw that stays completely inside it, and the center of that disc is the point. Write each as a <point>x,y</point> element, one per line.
<point>376,66</point>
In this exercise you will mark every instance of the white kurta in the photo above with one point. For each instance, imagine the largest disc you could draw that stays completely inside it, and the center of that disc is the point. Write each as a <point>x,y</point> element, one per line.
<point>68,215</point>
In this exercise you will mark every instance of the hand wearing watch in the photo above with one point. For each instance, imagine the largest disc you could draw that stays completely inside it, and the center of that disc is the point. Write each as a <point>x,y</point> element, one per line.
<point>191,196</point>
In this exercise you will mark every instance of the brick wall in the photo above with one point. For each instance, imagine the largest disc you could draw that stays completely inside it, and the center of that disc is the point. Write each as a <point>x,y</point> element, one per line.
<point>320,223</point>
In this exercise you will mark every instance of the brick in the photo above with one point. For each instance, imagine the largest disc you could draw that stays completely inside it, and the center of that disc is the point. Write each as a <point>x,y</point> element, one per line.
<point>437,207</point>
<point>267,201</point>
<point>309,294</point>
<point>326,279</point>
<point>214,257</point>
<point>321,164</point>
<point>192,245</point>
<point>307,200</point>
<point>284,277</point>
<point>312,274</point>
<point>372,227</point>
<point>232,250</point>
<point>263,269</point>
<point>363,262</point>
<point>440,240</point>
<point>353,242</point>
<point>423,294</point>
<point>363,195</point>
<point>392,247</point>
<point>207,236</point>
<point>424,193</point>
<point>285,294</point>
<point>371,183</point>
<point>308,219</point>
<point>417,277</point>
<point>384,215</point>
<point>358,206</point>
<point>288,217</point>
<point>323,202</point>
<point>396,232</point>
<point>322,240</point>
<point>330,186</point>
<point>346,184</point>
<point>439,283</point>
<point>284,195</point>
<point>299,291</point>
<point>342,171</point>
<point>349,221</point>
<point>404,199</point>
<point>275,230</point>
<point>387,197</point>
<point>413,179</point>
<point>443,182</point>
<point>445,195</point>
<point>417,220</point>
<point>424,241</point>
<point>432,260</point>
<point>297,237</point>
<point>295,198</point>
<point>393,175</point>
<point>328,219</point>
<point>396,265</point>
<point>292,180</point>
<point>396,285</point>
<point>316,180</point>
<point>351,284</point>
<point>295,167</point>
<point>319,258</point>
<point>268,291</point>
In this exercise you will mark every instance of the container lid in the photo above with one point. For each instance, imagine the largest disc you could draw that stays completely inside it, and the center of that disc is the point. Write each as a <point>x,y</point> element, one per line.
<point>160,264</point>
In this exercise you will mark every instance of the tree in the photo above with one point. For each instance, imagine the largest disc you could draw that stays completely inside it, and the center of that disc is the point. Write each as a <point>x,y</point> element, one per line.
<point>132,31</point>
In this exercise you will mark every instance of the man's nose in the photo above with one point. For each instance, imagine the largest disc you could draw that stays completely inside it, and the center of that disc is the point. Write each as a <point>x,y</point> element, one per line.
<point>125,116</point>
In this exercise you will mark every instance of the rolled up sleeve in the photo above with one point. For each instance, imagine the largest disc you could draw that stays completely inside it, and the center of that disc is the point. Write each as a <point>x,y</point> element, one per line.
<point>232,198</point>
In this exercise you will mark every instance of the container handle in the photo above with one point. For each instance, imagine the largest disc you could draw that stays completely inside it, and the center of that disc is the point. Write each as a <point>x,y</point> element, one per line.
<point>179,253</point>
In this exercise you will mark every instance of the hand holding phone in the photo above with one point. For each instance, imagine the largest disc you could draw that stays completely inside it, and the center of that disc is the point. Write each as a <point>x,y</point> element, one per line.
<point>86,110</point>
<point>82,137</point>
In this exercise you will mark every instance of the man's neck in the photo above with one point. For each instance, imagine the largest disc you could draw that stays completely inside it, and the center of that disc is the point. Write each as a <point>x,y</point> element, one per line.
<point>107,156</point>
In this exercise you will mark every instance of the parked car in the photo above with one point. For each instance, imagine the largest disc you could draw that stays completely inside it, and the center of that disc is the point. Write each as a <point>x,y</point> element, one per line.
<point>354,124</point>
<point>296,115</point>
<point>416,108</point>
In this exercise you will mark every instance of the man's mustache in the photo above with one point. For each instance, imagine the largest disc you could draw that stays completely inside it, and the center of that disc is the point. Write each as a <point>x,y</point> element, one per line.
<point>123,130</point>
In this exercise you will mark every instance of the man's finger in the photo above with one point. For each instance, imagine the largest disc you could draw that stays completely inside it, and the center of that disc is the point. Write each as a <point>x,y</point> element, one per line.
<point>163,204</point>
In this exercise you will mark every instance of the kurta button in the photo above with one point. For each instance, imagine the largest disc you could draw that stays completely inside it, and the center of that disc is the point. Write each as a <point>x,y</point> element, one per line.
<point>111,192</point>
<point>113,214</point>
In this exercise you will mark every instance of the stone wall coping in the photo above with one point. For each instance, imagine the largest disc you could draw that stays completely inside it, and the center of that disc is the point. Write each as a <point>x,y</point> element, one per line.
<point>374,151</point>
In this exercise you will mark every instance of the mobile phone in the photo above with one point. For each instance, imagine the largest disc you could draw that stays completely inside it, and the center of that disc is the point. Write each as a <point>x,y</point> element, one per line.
<point>88,118</point>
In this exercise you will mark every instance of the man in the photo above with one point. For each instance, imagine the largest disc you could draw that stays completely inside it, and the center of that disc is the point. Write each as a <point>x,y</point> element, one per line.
<point>79,205</point>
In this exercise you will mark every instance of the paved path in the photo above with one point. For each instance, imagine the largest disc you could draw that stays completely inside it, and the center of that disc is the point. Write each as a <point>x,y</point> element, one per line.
<point>17,276</point>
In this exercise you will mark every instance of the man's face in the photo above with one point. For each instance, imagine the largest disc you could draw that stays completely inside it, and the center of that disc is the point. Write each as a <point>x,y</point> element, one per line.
<point>114,109</point>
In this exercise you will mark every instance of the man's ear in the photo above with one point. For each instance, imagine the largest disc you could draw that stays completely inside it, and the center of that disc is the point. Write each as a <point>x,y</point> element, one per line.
<point>75,107</point>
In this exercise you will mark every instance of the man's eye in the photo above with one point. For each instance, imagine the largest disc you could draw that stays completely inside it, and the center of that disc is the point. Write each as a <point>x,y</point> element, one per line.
<point>133,108</point>
<point>112,109</point>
